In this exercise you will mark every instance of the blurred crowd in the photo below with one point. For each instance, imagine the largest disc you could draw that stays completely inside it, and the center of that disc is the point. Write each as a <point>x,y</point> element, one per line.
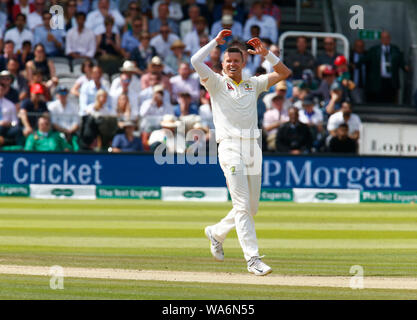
<point>135,86</point>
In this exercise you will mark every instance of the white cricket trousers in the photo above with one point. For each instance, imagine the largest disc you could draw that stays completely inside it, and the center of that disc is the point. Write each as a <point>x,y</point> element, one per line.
<point>241,162</point>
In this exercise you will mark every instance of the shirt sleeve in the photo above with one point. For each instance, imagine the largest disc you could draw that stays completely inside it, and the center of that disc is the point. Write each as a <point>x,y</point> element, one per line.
<point>261,83</point>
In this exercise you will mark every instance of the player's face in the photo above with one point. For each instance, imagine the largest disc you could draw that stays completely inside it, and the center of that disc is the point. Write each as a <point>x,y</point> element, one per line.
<point>233,64</point>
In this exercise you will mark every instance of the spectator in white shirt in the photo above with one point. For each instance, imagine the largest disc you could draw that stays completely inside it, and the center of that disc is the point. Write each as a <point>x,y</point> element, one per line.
<point>95,19</point>
<point>175,11</point>
<point>19,33</point>
<point>188,25</point>
<point>156,106</point>
<point>192,40</point>
<point>345,115</point>
<point>35,18</point>
<point>227,22</point>
<point>124,84</point>
<point>267,24</point>
<point>273,118</point>
<point>162,42</point>
<point>89,89</point>
<point>80,41</point>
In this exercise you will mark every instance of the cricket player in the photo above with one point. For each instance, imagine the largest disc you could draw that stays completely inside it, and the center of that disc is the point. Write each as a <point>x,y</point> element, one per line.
<point>234,105</point>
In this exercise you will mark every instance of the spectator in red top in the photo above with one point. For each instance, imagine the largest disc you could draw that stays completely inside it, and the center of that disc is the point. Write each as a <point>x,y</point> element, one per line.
<point>22,7</point>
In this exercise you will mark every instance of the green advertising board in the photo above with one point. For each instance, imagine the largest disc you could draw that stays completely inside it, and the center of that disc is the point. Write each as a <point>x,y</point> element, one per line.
<point>369,34</point>
<point>389,196</point>
<point>14,190</point>
<point>276,195</point>
<point>112,192</point>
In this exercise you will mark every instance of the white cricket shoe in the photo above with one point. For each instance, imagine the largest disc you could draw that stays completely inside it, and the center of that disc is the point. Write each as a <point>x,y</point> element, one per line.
<point>257,267</point>
<point>216,247</point>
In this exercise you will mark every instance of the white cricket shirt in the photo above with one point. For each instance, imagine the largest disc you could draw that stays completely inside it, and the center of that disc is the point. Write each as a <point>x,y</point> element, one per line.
<point>234,105</point>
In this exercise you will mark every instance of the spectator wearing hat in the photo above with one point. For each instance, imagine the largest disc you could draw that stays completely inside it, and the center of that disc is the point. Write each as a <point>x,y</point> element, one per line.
<point>127,142</point>
<point>90,88</point>
<point>64,113</point>
<point>10,93</point>
<point>312,116</point>
<point>327,74</point>
<point>95,19</point>
<point>345,115</point>
<point>174,8</point>
<point>184,82</point>
<point>32,108</point>
<point>172,61</point>
<point>162,19</point>
<point>301,59</point>
<point>294,136</point>
<point>227,22</point>
<point>188,25</point>
<point>52,39</point>
<point>44,139</point>
<point>80,41</point>
<point>273,118</point>
<point>168,136</point>
<point>341,142</point>
<point>156,67</point>
<point>164,40</point>
<point>10,133</point>
<point>144,52</point>
<point>267,24</point>
<point>192,39</point>
<point>19,33</point>
<point>281,90</point>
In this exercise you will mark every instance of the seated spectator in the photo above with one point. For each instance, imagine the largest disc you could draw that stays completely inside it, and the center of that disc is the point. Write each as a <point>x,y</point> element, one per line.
<point>64,115</point>
<point>133,11</point>
<point>341,142</point>
<point>187,26</point>
<point>80,41</point>
<point>52,39</point>
<point>143,54</point>
<point>294,136</point>
<point>155,67</point>
<point>22,6</point>
<point>345,115</point>
<point>313,117</point>
<point>328,76</point>
<point>147,93</point>
<point>19,33</point>
<point>95,19</point>
<point>131,38</point>
<point>227,22</point>
<point>164,40</point>
<point>301,59</point>
<point>123,109</point>
<point>329,54</point>
<point>266,23</point>
<point>174,9</point>
<point>46,66</point>
<point>156,106</point>
<point>185,106</point>
<point>70,15</point>
<point>184,82</point>
<point>108,50</point>
<point>239,13</point>
<point>89,90</point>
<point>32,109</point>
<point>270,9</point>
<point>336,98</point>
<point>44,139</point>
<point>162,19</point>
<point>127,142</point>
<point>18,82</point>
<point>275,116</point>
<point>192,40</point>
<point>173,141</point>
<point>303,92</point>
<point>10,93</point>
<point>86,69</point>
<point>10,133</point>
<point>34,19</point>
<point>25,55</point>
<point>8,53</point>
<point>173,61</point>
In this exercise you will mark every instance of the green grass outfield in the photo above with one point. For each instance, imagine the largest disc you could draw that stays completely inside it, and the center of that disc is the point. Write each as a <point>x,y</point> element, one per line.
<point>297,239</point>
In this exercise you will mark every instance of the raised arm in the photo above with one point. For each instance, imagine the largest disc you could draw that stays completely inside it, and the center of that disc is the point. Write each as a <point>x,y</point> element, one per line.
<point>281,72</point>
<point>197,60</point>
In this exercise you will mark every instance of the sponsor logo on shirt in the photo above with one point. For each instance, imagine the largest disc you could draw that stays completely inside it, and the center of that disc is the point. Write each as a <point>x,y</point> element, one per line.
<point>248,87</point>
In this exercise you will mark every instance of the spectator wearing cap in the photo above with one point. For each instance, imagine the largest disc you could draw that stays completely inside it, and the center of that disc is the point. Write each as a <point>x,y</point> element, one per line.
<point>281,90</point>
<point>327,74</point>
<point>127,142</point>
<point>192,39</point>
<point>187,26</point>
<point>164,40</point>
<point>131,38</point>
<point>329,54</point>
<point>345,115</point>
<point>80,41</point>
<point>64,113</point>
<point>172,61</point>
<point>336,98</point>
<point>294,136</point>
<point>44,139</point>
<point>32,108</point>
<point>174,8</point>
<point>10,93</point>
<point>162,19</point>
<point>90,88</point>
<point>52,39</point>
<point>273,118</point>
<point>19,33</point>
<point>95,19</point>
<point>266,23</point>
<point>144,52</point>
<point>312,116</point>
<point>173,141</point>
<point>17,81</point>
<point>227,22</point>
<point>184,82</point>
<point>185,105</point>
<point>341,142</point>
<point>301,59</point>
<point>156,67</point>
<point>10,133</point>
